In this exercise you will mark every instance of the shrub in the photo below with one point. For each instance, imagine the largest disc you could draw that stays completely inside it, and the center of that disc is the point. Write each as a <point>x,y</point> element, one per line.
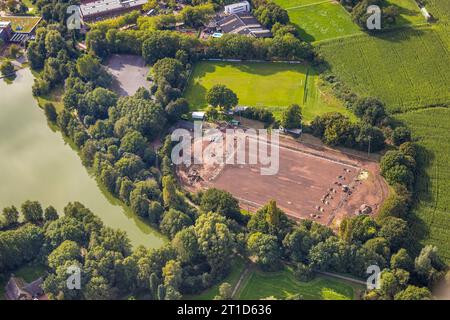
<point>50,112</point>
<point>303,272</point>
<point>401,135</point>
<point>7,68</point>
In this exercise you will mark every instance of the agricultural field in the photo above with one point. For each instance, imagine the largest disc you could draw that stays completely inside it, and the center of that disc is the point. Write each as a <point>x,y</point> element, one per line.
<point>440,9</point>
<point>432,129</point>
<point>289,4</point>
<point>407,69</point>
<point>22,24</point>
<point>319,20</point>
<point>271,85</point>
<point>282,285</point>
<point>409,12</point>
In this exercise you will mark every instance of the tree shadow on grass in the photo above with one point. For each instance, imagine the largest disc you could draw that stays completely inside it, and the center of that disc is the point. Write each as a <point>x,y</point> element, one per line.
<point>397,33</point>
<point>205,67</point>
<point>422,194</point>
<point>304,35</point>
<point>419,230</point>
<point>400,20</point>
<point>196,95</point>
<point>269,68</point>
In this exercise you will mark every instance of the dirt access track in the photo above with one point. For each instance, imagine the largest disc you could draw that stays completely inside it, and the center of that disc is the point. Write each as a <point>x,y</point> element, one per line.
<point>313,182</point>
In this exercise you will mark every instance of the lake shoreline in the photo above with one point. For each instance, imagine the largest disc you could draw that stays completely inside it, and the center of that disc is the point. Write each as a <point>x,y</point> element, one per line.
<point>40,164</point>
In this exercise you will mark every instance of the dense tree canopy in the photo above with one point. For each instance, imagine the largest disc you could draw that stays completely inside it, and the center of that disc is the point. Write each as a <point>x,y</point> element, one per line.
<point>265,249</point>
<point>292,117</point>
<point>271,13</point>
<point>221,96</point>
<point>221,202</point>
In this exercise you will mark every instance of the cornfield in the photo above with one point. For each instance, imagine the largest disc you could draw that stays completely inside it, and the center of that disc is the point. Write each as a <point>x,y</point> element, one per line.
<point>407,68</point>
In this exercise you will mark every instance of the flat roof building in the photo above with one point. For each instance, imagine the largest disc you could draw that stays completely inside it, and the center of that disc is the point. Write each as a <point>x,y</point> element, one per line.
<point>238,7</point>
<point>198,115</point>
<point>94,10</point>
<point>242,23</point>
<point>18,29</point>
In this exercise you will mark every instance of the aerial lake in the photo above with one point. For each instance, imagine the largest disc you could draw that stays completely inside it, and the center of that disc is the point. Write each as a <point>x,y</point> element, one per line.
<point>36,163</point>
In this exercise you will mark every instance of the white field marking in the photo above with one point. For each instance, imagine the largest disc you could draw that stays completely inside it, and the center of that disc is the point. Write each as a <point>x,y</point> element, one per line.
<point>308,154</point>
<point>308,5</point>
<point>253,203</point>
<point>288,212</point>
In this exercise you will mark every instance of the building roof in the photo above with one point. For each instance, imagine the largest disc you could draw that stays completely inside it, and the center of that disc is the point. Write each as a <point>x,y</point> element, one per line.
<point>242,23</point>
<point>4,24</point>
<point>19,37</point>
<point>18,289</point>
<point>198,115</point>
<point>34,288</point>
<point>100,7</point>
<point>237,5</point>
<point>240,108</point>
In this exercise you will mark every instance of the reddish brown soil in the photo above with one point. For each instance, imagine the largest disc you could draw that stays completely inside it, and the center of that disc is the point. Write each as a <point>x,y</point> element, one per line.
<point>309,183</point>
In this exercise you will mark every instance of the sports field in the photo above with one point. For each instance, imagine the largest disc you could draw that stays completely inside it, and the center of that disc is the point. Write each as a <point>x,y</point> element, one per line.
<point>282,285</point>
<point>271,85</point>
<point>432,129</point>
<point>23,23</point>
<point>319,20</point>
<point>292,181</point>
<point>407,68</point>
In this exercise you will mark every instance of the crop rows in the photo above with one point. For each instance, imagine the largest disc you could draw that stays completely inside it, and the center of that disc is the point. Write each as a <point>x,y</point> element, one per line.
<point>439,8</point>
<point>408,69</point>
<point>431,127</point>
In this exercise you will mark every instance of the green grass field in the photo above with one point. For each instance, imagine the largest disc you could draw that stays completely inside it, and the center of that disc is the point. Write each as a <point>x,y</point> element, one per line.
<point>21,24</point>
<point>432,129</point>
<point>281,285</point>
<point>235,273</point>
<point>319,20</point>
<point>409,12</point>
<point>271,85</point>
<point>288,4</point>
<point>440,9</point>
<point>407,68</point>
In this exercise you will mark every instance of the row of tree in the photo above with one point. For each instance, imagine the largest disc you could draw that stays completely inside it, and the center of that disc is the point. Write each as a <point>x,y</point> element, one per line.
<point>154,44</point>
<point>201,251</point>
<point>389,13</point>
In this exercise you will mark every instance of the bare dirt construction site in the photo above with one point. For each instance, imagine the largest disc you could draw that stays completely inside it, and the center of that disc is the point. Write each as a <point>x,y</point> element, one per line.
<point>313,181</point>
<point>129,73</point>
